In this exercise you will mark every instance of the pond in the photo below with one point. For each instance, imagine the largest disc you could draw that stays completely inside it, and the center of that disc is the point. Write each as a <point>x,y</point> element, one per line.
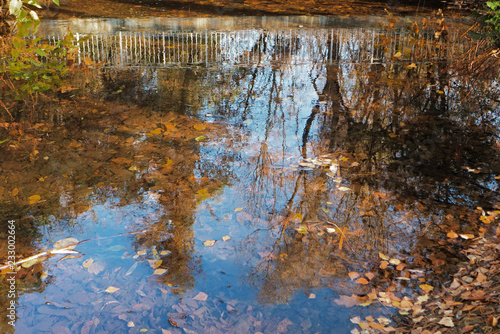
<point>281,175</point>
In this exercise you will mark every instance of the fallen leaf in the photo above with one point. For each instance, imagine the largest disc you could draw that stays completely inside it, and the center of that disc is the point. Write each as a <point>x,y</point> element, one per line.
<point>447,321</point>
<point>426,287</point>
<point>370,275</point>
<point>355,320</point>
<point>87,263</point>
<point>131,269</point>
<point>480,278</point>
<point>452,235</point>
<point>141,252</point>
<point>342,188</point>
<point>353,275</point>
<point>201,296</point>
<point>383,256</point>
<point>347,301</point>
<point>154,263</point>
<point>467,236</point>
<point>466,329</point>
<point>395,261</point>
<point>65,242</point>
<point>226,238</point>
<point>159,271</point>
<point>493,321</point>
<point>362,280</point>
<point>156,131</point>
<point>112,289</point>
<point>34,199</point>
<point>384,264</point>
<point>209,243</point>
<point>199,127</point>
<point>14,192</point>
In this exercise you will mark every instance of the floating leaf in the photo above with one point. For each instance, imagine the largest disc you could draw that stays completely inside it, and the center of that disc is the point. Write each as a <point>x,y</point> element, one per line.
<point>209,243</point>
<point>112,289</point>
<point>226,238</point>
<point>201,296</point>
<point>383,257</point>
<point>154,263</point>
<point>116,248</point>
<point>130,324</point>
<point>353,275</point>
<point>467,236</point>
<point>370,275</point>
<point>362,280</point>
<point>159,271</point>
<point>87,263</point>
<point>30,263</point>
<point>65,242</point>
<point>131,269</point>
<point>302,229</point>
<point>95,268</point>
<point>199,127</point>
<point>34,199</point>
<point>200,138</point>
<point>426,287</point>
<point>395,261</point>
<point>238,209</point>
<point>141,252</point>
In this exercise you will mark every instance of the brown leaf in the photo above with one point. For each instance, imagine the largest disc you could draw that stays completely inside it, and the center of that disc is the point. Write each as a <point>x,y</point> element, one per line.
<point>384,264</point>
<point>493,321</point>
<point>480,278</point>
<point>466,329</point>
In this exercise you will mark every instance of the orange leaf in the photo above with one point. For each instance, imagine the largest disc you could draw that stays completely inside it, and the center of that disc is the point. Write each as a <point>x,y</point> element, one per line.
<point>383,256</point>
<point>467,236</point>
<point>353,275</point>
<point>34,199</point>
<point>452,235</point>
<point>362,280</point>
<point>384,264</point>
<point>370,275</point>
<point>15,191</point>
<point>426,287</point>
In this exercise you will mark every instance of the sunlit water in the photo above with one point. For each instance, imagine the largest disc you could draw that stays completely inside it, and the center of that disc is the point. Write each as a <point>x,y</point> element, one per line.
<point>271,148</point>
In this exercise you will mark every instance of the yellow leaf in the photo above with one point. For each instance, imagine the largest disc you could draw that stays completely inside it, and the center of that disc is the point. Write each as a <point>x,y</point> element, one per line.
<point>199,127</point>
<point>238,209</point>
<point>383,257</point>
<point>141,252</point>
<point>426,287</point>
<point>112,289</point>
<point>452,235</point>
<point>398,54</point>
<point>87,263</point>
<point>209,243</point>
<point>395,261</point>
<point>226,238</point>
<point>34,199</point>
<point>156,131</point>
<point>159,271</point>
<point>392,135</point>
<point>154,263</point>
<point>15,191</point>
<point>364,325</point>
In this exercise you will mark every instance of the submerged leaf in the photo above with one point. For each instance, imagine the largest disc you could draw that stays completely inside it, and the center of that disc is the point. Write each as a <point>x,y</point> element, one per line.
<point>87,263</point>
<point>131,269</point>
<point>112,289</point>
<point>201,296</point>
<point>159,271</point>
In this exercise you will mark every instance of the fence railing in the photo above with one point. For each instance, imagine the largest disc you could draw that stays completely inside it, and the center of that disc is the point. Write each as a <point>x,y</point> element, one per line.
<point>254,46</point>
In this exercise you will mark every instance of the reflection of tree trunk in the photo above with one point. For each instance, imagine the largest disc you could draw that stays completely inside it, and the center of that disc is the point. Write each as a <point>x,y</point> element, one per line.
<point>189,76</point>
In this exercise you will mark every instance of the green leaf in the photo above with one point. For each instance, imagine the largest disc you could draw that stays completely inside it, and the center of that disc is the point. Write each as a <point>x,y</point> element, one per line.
<point>41,52</point>
<point>56,2</point>
<point>33,3</point>
<point>18,42</point>
<point>200,138</point>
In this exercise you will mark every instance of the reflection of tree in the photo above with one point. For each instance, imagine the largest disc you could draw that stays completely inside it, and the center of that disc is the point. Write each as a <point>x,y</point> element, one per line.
<point>402,150</point>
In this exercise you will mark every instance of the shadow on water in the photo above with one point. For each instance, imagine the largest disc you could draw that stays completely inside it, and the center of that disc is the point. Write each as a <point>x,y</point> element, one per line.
<point>256,185</point>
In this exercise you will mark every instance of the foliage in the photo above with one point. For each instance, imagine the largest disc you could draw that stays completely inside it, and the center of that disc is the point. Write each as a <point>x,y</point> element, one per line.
<point>489,21</point>
<point>32,66</point>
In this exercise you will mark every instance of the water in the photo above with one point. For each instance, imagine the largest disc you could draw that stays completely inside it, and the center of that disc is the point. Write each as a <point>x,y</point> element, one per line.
<point>314,148</point>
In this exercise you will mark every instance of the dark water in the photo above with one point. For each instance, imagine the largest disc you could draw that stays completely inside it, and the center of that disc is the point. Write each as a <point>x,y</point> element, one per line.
<point>313,150</point>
